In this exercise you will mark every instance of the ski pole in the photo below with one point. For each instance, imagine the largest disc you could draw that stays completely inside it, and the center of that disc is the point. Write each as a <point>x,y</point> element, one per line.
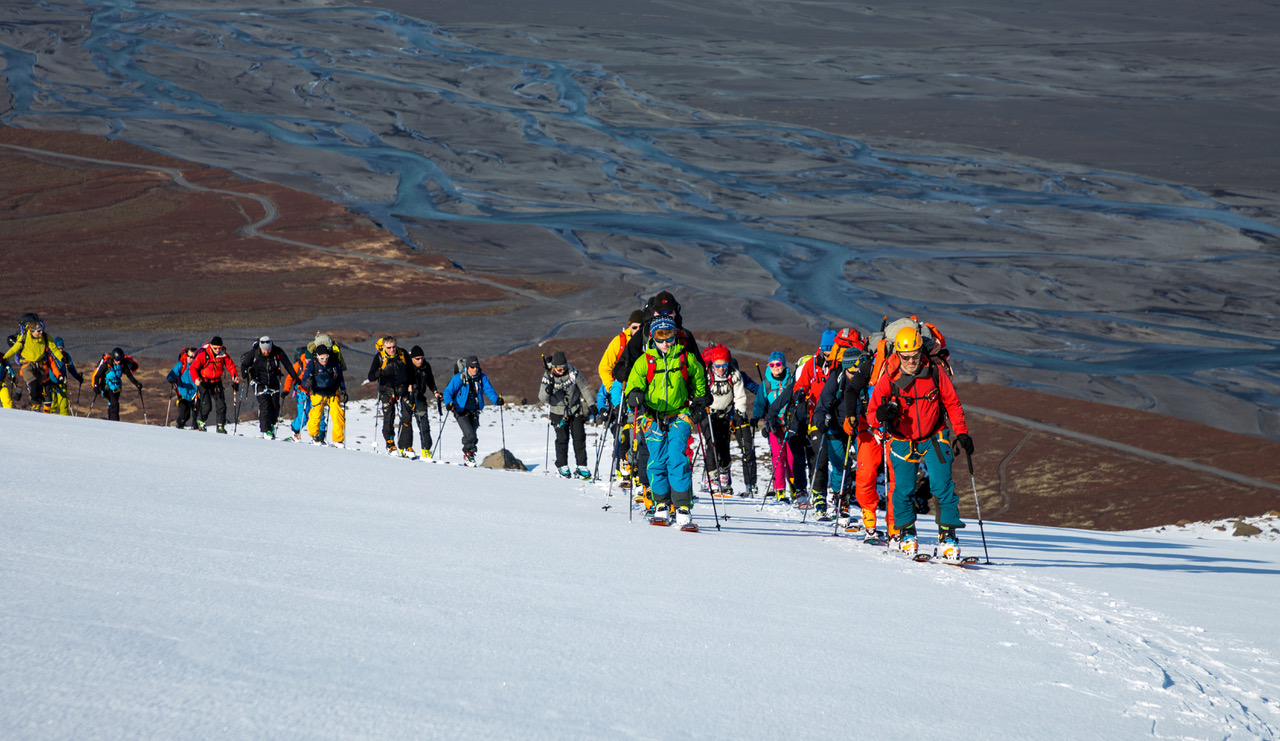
<point>502,425</point>
<point>143,401</point>
<point>714,511</point>
<point>844,485</point>
<point>981,529</point>
<point>79,385</point>
<point>633,461</point>
<point>91,403</point>
<point>546,455</point>
<point>440,436</point>
<point>377,417</point>
<point>235,425</point>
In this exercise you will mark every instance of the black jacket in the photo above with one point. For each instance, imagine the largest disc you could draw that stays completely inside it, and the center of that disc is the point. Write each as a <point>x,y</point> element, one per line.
<point>266,371</point>
<point>393,373</point>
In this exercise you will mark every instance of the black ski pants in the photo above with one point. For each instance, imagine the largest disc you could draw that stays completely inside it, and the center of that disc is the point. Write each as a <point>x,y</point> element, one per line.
<point>213,397</point>
<point>268,409</point>
<point>186,409</point>
<point>715,439</point>
<point>468,422</point>
<point>747,444</point>
<point>113,403</point>
<point>421,411</point>
<point>575,426</point>
<point>390,403</point>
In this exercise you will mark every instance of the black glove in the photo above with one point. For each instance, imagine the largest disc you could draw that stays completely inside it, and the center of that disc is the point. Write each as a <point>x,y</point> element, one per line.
<point>888,413</point>
<point>235,387</point>
<point>342,396</point>
<point>755,423</point>
<point>501,402</point>
<point>593,411</point>
<point>138,384</point>
<point>635,399</point>
<point>450,408</point>
<point>965,442</point>
<point>550,388</point>
<point>697,410</point>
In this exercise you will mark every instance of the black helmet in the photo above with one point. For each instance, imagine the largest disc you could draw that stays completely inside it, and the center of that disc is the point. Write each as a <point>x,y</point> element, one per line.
<point>118,354</point>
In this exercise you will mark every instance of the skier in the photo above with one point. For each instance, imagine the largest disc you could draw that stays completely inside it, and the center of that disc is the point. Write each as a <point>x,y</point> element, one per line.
<point>662,305</point>
<point>870,436</point>
<point>62,369</point>
<point>667,391</point>
<point>391,369</point>
<point>834,416</point>
<point>263,366</point>
<point>324,382</point>
<point>422,380</point>
<point>909,403</point>
<point>108,379</point>
<point>7,379</point>
<point>465,396</point>
<point>302,400</point>
<point>728,409</point>
<point>567,394</point>
<point>207,369</point>
<point>826,432</point>
<point>35,360</point>
<point>184,388</point>
<point>773,409</point>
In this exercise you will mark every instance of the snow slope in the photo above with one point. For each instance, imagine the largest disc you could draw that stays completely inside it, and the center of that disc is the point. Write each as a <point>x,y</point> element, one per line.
<point>166,584</point>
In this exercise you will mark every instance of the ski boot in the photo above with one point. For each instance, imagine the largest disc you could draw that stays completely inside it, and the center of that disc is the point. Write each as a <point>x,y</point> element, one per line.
<point>200,425</point>
<point>726,483</point>
<point>564,472</point>
<point>910,543</point>
<point>781,496</point>
<point>684,520</point>
<point>469,458</point>
<point>661,515</point>
<point>584,473</point>
<point>222,429</point>
<point>341,446</point>
<point>948,544</point>
<point>270,434</point>
<point>426,454</point>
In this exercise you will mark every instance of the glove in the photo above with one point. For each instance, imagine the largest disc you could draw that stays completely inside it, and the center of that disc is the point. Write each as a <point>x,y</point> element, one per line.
<point>635,399</point>
<point>755,423</point>
<point>593,411</point>
<point>550,388</point>
<point>849,428</point>
<point>697,410</point>
<point>138,384</point>
<point>17,392</point>
<point>888,413</point>
<point>235,387</point>
<point>965,442</point>
<point>342,396</point>
<point>450,408</point>
<point>501,402</point>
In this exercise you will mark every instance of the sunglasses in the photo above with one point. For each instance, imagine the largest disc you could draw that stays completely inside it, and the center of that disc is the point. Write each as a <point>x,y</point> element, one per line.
<point>909,357</point>
<point>664,340</point>
<point>720,366</point>
<point>775,365</point>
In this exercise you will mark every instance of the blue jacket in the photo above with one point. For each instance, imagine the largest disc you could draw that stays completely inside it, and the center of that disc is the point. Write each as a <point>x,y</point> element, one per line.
<point>770,391</point>
<point>325,380</point>
<point>458,392</point>
<point>180,377</point>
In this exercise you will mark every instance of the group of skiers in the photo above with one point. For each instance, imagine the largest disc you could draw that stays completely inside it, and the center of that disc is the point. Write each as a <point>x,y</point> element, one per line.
<point>857,411</point>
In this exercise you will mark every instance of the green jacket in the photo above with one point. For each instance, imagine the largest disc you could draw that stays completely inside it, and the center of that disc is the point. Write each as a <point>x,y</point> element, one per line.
<point>668,393</point>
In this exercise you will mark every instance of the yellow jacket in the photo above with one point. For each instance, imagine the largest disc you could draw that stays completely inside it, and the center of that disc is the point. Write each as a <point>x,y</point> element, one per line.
<point>33,349</point>
<point>610,358</point>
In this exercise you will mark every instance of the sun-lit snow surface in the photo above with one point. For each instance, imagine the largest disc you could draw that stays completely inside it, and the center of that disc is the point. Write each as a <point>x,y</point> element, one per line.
<point>165,584</point>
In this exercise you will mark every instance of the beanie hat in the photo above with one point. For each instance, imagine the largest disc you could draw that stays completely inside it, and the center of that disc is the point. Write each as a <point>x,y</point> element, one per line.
<point>662,322</point>
<point>416,352</point>
<point>828,339</point>
<point>778,356</point>
<point>718,353</point>
<point>558,359</point>
<point>264,342</point>
<point>216,341</point>
<point>665,302</point>
<point>636,317</point>
<point>57,341</point>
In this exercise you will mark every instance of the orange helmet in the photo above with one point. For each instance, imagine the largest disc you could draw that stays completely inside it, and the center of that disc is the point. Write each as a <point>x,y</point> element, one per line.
<point>907,340</point>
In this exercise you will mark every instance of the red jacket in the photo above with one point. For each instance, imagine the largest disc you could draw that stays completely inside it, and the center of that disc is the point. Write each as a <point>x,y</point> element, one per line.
<point>923,402</point>
<point>811,377</point>
<point>207,368</point>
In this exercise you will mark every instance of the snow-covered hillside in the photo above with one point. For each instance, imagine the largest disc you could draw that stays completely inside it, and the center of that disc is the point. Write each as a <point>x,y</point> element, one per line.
<point>166,584</point>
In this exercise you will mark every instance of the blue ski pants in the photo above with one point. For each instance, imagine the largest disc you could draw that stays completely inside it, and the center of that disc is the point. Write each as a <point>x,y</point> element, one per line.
<point>670,472</point>
<point>935,454</point>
